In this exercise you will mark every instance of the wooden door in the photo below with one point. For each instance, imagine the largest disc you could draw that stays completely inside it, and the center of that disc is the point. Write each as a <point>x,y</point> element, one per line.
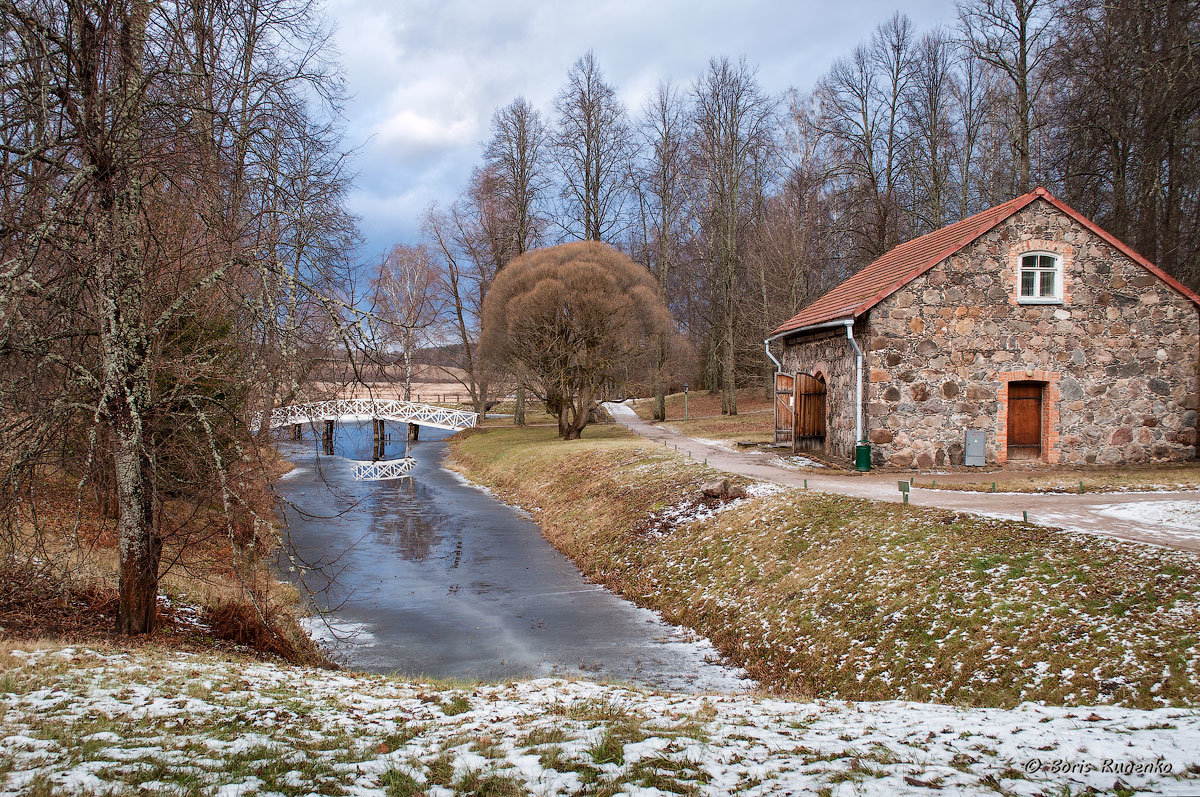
<point>1025,420</point>
<point>785,404</point>
<point>810,413</point>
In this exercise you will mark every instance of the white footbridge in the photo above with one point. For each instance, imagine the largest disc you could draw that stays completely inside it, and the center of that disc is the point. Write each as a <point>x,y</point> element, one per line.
<point>361,409</point>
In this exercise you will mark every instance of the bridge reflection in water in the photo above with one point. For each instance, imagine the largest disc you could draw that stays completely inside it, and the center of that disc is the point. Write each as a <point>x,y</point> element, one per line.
<point>378,411</point>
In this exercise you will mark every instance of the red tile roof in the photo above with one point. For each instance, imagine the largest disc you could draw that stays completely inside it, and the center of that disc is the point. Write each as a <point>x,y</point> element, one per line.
<point>901,265</point>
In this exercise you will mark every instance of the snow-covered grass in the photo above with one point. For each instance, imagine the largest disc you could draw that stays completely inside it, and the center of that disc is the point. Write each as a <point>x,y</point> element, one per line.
<point>76,721</point>
<point>832,596</point>
<point>798,462</point>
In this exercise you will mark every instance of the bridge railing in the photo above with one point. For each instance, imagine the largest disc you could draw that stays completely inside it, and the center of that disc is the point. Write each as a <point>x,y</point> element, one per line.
<point>383,409</point>
<point>384,469</point>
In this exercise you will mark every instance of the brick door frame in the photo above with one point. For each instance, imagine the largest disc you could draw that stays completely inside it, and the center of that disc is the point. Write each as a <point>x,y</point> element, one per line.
<point>1050,397</point>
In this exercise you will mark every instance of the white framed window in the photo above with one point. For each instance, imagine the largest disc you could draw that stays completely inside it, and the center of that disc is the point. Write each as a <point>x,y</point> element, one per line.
<point>1041,278</point>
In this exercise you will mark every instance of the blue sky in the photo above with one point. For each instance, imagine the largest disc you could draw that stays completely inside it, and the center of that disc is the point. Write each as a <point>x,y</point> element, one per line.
<point>426,75</point>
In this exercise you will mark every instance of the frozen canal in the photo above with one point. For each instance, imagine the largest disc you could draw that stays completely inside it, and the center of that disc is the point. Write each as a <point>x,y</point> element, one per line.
<point>430,576</point>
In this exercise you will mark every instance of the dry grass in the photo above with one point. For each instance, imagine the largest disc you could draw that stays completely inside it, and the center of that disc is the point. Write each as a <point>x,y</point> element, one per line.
<point>833,596</point>
<point>701,403</point>
<point>756,427</point>
<point>754,422</point>
<point>1065,479</point>
<point>61,582</point>
<point>535,414</point>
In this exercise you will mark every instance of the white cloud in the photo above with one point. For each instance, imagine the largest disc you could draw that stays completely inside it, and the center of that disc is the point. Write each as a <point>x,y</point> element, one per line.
<point>426,75</point>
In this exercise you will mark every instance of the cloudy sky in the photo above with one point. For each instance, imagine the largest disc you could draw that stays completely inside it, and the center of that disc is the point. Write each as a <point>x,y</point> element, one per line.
<point>426,75</point>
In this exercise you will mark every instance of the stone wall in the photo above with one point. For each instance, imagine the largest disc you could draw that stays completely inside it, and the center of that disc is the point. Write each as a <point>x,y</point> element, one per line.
<point>1118,355</point>
<point>828,353</point>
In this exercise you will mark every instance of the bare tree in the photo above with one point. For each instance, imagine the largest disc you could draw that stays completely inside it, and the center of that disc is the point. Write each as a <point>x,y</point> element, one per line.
<point>406,303</point>
<point>592,148</point>
<point>929,107</point>
<point>976,161</point>
<point>1126,107</point>
<point>128,202</point>
<point>471,244</point>
<point>733,126</point>
<point>658,181</point>
<point>1013,37</point>
<point>515,155</point>
<point>863,101</point>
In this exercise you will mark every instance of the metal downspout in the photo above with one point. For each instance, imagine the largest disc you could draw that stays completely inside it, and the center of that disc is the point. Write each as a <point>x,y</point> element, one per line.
<point>858,370</point>
<point>770,356</point>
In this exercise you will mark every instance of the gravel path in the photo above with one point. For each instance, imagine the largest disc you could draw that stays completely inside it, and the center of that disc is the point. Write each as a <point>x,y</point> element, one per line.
<point>1168,519</point>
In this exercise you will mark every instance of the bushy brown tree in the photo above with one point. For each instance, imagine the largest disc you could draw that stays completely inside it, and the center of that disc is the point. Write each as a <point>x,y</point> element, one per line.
<point>573,318</point>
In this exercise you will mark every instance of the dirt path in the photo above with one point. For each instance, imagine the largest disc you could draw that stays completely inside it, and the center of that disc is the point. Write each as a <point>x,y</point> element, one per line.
<point>1169,519</point>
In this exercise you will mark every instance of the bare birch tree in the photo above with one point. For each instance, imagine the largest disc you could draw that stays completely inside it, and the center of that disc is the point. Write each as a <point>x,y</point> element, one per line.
<point>407,303</point>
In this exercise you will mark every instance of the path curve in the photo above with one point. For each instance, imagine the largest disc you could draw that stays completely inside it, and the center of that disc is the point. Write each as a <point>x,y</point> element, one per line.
<point>1168,519</point>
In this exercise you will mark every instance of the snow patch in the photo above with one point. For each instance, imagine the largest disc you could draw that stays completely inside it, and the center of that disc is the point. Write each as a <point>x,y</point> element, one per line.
<point>1180,514</point>
<point>337,635</point>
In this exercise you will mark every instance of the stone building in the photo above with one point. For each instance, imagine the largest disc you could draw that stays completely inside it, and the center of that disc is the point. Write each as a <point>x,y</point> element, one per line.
<point>1027,322</point>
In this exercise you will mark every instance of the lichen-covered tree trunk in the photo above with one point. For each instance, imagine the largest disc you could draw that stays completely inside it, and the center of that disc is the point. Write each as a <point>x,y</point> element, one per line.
<point>125,350</point>
<point>124,337</point>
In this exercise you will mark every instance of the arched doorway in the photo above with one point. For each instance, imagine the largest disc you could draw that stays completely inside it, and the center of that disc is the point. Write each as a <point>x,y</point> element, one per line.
<point>810,413</point>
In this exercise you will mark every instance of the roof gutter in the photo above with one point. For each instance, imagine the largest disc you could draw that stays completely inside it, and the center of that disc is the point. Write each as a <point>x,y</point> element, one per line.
<point>811,327</point>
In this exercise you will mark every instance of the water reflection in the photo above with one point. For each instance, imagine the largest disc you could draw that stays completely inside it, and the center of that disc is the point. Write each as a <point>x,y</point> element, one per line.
<point>444,580</point>
<point>405,519</point>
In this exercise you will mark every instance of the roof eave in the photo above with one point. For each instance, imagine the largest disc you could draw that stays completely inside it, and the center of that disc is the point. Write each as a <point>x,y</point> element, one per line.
<point>836,322</point>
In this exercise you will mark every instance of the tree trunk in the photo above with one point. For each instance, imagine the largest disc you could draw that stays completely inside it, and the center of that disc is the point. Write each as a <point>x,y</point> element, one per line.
<point>728,363</point>
<point>660,382</point>
<point>125,345</point>
<point>519,406</point>
<point>139,545</point>
<point>408,373</point>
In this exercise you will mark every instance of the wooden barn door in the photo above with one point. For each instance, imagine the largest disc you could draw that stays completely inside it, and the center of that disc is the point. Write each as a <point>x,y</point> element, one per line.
<point>810,413</point>
<point>785,401</point>
<point>1024,420</point>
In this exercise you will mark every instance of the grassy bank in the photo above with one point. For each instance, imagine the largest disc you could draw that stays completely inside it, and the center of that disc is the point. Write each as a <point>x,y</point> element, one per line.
<point>841,597</point>
<point>1066,479</point>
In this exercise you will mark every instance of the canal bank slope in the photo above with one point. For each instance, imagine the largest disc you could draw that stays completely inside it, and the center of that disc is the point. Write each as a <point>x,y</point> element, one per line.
<point>835,596</point>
